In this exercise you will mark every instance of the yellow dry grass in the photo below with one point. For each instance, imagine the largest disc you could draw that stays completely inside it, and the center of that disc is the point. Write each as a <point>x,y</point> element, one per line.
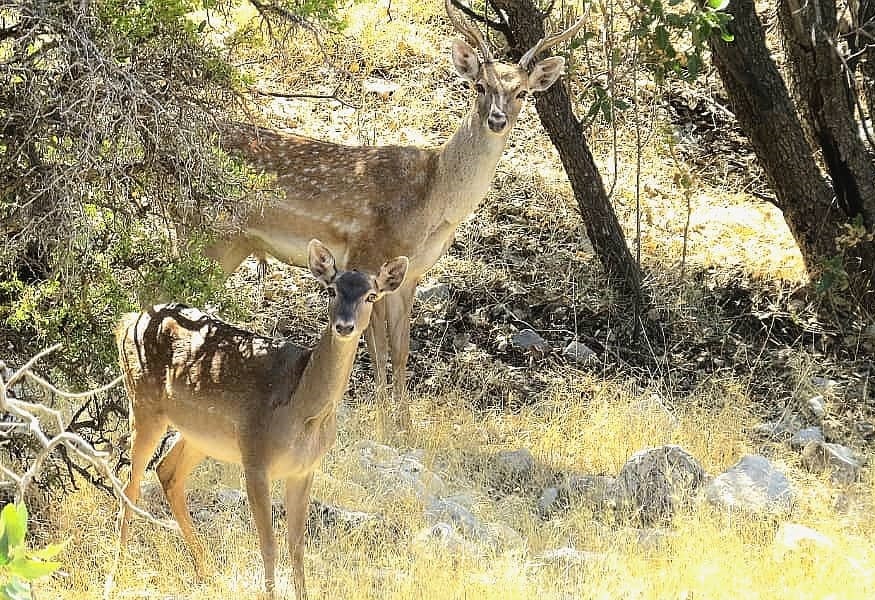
<point>581,423</point>
<point>586,426</point>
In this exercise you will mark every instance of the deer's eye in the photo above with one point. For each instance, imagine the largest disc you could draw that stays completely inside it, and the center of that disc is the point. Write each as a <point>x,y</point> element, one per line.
<point>332,292</point>
<point>479,87</point>
<point>371,298</point>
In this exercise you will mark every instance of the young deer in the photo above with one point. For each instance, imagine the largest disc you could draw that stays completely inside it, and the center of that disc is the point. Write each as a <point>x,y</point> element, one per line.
<point>243,398</point>
<point>371,202</point>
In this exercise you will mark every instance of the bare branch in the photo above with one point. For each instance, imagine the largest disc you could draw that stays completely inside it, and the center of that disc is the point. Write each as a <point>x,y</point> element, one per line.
<point>26,413</point>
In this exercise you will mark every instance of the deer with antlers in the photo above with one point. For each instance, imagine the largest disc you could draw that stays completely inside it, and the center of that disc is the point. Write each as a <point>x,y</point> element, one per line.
<point>369,202</point>
<point>238,397</point>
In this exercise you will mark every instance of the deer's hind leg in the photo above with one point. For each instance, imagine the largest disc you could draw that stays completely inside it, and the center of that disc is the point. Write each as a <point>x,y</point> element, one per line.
<point>297,510</point>
<point>398,308</point>
<point>146,432</point>
<point>376,336</point>
<point>173,470</point>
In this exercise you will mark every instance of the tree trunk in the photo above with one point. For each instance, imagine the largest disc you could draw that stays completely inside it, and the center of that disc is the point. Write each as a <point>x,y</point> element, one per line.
<point>566,133</point>
<point>762,105</point>
<point>825,99</point>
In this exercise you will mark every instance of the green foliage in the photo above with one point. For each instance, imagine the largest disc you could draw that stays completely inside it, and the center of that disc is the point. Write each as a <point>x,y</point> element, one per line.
<point>833,277</point>
<point>674,35</point>
<point>18,565</point>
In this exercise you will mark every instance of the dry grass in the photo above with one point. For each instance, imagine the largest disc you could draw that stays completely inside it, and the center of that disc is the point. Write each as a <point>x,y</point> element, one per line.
<point>576,423</point>
<point>588,426</point>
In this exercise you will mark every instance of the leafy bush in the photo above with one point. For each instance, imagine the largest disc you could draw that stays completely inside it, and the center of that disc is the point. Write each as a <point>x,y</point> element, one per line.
<point>18,565</point>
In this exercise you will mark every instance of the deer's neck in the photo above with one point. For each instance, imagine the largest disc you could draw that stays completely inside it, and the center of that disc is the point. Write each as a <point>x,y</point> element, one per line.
<point>324,379</point>
<point>466,167</point>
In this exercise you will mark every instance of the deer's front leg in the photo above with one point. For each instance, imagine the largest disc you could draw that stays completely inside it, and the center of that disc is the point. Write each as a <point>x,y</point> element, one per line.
<point>258,491</point>
<point>297,509</point>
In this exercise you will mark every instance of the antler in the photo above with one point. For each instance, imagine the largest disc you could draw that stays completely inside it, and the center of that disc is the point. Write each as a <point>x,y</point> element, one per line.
<point>471,33</point>
<point>551,41</point>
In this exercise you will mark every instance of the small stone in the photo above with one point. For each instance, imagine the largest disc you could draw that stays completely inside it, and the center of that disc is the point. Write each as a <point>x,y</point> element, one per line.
<point>792,537</point>
<point>596,491</point>
<point>501,537</point>
<point>865,429</point>
<point>840,461</point>
<point>753,485</point>
<point>802,437</point>
<point>654,483</point>
<point>442,535</point>
<point>380,87</point>
<point>528,340</point>
<point>654,538</point>
<point>570,556</point>
<point>230,497</point>
<point>324,517</point>
<point>548,501</point>
<point>824,384</point>
<point>453,512</point>
<point>433,294</point>
<point>203,516</point>
<point>579,353</point>
<point>515,466</point>
<point>815,405</point>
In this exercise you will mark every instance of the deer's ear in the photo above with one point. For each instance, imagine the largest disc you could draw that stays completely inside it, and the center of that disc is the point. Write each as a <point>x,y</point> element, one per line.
<point>465,60</point>
<point>392,275</point>
<point>545,73</point>
<point>321,262</point>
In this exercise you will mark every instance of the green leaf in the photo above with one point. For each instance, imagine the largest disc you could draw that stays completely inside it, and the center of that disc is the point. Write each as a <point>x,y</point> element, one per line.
<point>4,543</point>
<point>718,4</point>
<point>50,551</point>
<point>726,36</point>
<point>27,568</point>
<point>15,589</point>
<point>15,518</point>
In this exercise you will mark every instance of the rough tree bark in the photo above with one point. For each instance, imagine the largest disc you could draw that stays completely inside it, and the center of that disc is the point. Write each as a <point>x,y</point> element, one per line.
<point>554,108</point>
<point>762,104</point>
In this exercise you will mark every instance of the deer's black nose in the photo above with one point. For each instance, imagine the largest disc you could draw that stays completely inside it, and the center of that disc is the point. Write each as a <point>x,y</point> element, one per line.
<point>344,328</point>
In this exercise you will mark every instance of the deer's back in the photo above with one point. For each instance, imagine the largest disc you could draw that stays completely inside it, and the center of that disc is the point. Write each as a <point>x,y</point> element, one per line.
<point>340,194</point>
<point>178,359</point>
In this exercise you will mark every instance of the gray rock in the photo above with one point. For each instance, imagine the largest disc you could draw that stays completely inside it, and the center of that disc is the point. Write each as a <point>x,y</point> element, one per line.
<point>802,437</point>
<point>579,353</point>
<point>654,483</point>
<point>501,537</point>
<point>548,502</point>
<point>792,537</point>
<point>515,467</point>
<point>815,406</point>
<point>230,497</point>
<point>651,539</point>
<point>454,513</point>
<point>570,556</point>
<point>528,340</point>
<point>865,429</point>
<point>869,333</point>
<point>839,461</point>
<point>385,471</point>
<point>434,293</point>
<point>380,87</point>
<point>752,485</point>
<point>442,535</point>
<point>782,429</point>
<point>824,384</point>
<point>596,491</point>
<point>326,517</point>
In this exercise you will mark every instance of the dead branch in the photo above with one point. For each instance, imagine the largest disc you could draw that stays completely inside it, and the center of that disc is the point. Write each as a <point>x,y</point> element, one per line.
<point>26,419</point>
